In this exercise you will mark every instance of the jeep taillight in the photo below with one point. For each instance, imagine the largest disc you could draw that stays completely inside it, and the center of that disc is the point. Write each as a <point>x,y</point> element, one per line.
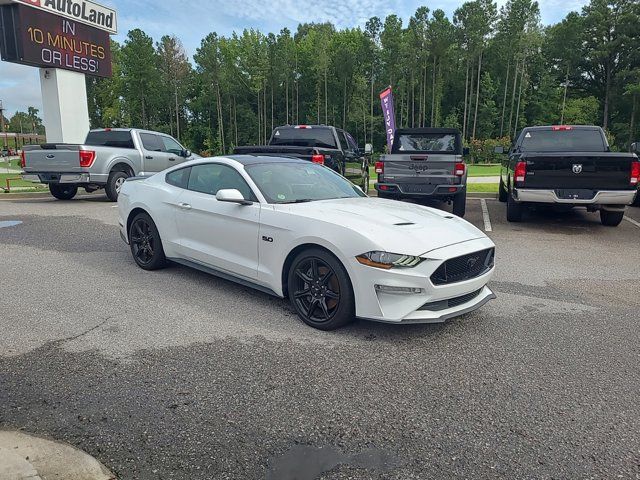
<point>319,159</point>
<point>379,167</point>
<point>459,169</point>
<point>635,173</point>
<point>23,159</point>
<point>87,157</point>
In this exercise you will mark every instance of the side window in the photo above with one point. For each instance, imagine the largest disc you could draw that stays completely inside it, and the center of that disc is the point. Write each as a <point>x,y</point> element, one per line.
<point>352,143</point>
<point>343,142</point>
<point>211,177</point>
<point>179,178</point>
<point>171,146</point>
<point>151,142</point>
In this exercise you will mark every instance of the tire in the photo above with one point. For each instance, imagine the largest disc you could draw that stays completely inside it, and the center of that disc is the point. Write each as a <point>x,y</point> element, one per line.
<point>114,183</point>
<point>636,201</point>
<point>320,290</point>
<point>145,243</point>
<point>514,209</point>
<point>63,191</point>
<point>611,219</point>
<point>502,192</point>
<point>460,203</point>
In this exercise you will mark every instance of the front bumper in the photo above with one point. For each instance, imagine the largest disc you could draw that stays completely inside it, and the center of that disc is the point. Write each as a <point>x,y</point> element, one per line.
<point>603,197</point>
<point>422,301</point>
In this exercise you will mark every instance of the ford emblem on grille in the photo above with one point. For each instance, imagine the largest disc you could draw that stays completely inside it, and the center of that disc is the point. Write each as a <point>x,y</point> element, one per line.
<point>577,168</point>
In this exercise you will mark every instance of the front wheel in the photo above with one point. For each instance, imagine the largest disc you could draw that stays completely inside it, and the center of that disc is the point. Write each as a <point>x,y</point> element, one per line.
<point>610,218</point>
<point>145,243</point>
<point>460,204</point>
<point>63,191</point>
<point>320,290</point>
<point>114,184</point>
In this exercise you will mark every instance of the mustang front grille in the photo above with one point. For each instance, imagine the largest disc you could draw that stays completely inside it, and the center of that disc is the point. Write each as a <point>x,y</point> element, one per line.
<point>451,302</point>
<point>464,268</point>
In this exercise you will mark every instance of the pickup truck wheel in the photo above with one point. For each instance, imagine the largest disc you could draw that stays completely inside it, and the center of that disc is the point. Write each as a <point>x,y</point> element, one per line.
<point>611,219</point>
<point>63,192</point>
<point>636,201</point>
<point>502,192</point>
<point>514,209</point>
<point>114,184</point>
<point>460,204</point>
<point>146,246</point>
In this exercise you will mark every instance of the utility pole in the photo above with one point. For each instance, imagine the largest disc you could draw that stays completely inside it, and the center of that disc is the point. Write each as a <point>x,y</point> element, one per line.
<point>6,145</point>
<point>564,100</point>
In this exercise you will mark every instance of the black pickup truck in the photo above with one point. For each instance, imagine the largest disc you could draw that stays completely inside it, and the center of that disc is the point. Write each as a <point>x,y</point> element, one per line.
<point>322,144</point>
<point>569,166</point>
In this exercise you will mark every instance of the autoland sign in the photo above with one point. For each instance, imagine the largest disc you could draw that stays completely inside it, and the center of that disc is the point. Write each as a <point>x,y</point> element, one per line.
<point>83,11</point>
<point>34,37</point>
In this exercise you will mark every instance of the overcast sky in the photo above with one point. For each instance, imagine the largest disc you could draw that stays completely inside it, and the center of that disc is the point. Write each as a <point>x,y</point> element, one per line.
<point>191,20</point>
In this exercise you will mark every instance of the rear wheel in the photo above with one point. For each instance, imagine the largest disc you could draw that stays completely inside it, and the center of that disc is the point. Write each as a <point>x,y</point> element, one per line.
<point>610,218</point>
<point>146,246</point>
<point>63,191</point>
<point>114,184</point>
<point>514,209</point>
<point>502,192</point>
<point>460,203</point>
<point>320,290</point>
<point>636,201</point>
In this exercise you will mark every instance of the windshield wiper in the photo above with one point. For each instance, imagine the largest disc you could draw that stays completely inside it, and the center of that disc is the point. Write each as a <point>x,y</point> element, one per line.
<point>299,200</point>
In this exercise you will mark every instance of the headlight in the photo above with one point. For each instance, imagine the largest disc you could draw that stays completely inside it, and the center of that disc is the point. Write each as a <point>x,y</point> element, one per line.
<point>388,260</point>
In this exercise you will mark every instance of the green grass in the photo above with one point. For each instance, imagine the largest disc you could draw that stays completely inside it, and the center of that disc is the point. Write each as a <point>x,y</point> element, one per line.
<point>11,164</point>
<point>482,188</point>
<point>491,170</point>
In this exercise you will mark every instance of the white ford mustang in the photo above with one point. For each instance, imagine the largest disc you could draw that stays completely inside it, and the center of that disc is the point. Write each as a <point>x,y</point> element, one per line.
<point>297,229</point>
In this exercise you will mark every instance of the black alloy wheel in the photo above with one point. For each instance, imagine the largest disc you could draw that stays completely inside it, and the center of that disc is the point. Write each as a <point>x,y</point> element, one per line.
<point>146,246</point>
<point>320,290</point>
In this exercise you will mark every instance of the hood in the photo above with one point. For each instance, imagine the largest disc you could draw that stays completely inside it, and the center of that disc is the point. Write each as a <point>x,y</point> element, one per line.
<point>394,226</point>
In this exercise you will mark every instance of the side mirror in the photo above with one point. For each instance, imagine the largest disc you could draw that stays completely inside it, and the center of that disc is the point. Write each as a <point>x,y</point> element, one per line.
<point>635,148</point>
<point>232,195</point>
<point>466,151</point>
<point>499,149</point>
<point>186,153</point>
<point>368,149</point>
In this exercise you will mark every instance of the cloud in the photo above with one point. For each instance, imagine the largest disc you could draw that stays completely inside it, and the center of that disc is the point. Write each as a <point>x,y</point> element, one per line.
<point>19,87</point>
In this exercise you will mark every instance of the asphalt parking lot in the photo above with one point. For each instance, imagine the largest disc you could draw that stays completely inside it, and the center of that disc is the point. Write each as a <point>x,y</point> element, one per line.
<point>177,374</point>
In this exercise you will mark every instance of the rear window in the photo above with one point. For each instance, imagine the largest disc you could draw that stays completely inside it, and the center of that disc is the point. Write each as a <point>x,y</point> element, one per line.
<point>110,138</point>
<point>304,137</point>
<point>575,140</point>
<point>425,142</point>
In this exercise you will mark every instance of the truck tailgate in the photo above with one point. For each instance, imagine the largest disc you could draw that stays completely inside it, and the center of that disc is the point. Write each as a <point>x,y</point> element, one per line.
<point>417,168</point>
<point>601,171</point>
<point>53,158</point>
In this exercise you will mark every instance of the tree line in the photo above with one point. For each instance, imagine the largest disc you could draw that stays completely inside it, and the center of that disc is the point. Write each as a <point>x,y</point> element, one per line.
<point>486,71</point>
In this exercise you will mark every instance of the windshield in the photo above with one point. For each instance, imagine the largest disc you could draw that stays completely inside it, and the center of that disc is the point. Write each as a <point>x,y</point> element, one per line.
<point>304,137</point>
<point>283,182</point>
<point>581,140</point>
<point>425,142</point>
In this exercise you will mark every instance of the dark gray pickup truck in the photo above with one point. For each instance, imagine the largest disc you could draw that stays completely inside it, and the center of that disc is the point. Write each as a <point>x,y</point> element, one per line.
<point>425,163</point>
<point>323,144</point>
<point>568,166</point>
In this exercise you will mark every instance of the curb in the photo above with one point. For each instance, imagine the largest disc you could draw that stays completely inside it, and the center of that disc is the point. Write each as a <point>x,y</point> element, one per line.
<point>28,457</point>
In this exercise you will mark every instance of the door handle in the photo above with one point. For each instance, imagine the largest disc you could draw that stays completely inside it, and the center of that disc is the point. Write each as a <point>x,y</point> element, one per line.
<point>184,206</point>
<point>148,157</point>
<point>172,159</point>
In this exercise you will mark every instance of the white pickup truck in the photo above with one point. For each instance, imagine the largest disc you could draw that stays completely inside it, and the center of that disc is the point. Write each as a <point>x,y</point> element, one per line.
<point>107,158</point>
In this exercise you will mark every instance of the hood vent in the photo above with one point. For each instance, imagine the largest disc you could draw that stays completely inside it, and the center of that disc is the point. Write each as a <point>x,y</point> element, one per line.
<point>402,224</point>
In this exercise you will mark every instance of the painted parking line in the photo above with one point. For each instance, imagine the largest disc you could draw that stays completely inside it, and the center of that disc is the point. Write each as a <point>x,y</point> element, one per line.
<point>631,220</point>
<point>485,215</point>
